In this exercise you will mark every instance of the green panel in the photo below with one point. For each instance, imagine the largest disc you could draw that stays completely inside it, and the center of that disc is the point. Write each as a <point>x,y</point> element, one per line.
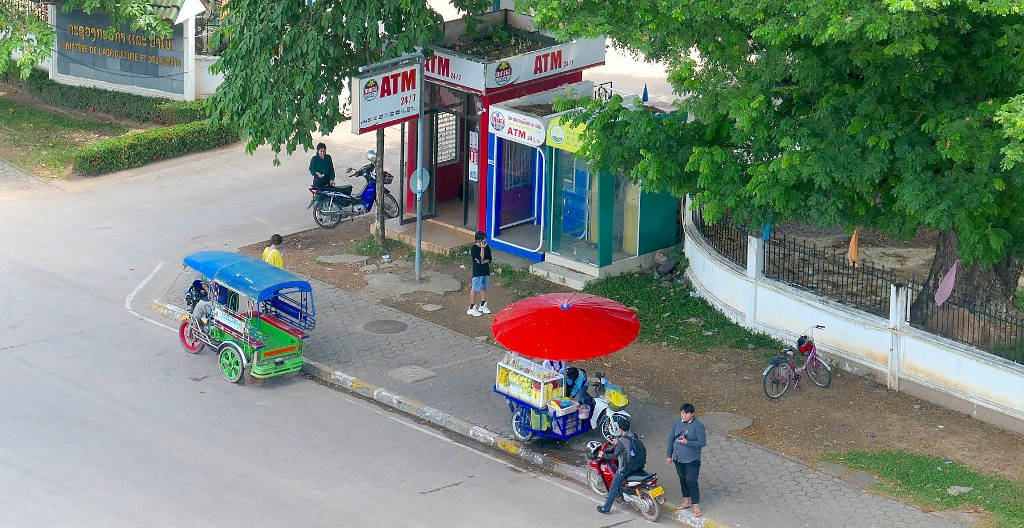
<point>659,221</point>
<point>605,210</point>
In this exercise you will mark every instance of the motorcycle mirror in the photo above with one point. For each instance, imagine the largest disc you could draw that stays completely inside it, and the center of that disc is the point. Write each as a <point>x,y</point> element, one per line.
<point>371,155</point>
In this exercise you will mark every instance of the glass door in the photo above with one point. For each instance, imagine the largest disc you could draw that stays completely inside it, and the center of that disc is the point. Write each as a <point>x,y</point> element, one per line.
<point>518,197</point>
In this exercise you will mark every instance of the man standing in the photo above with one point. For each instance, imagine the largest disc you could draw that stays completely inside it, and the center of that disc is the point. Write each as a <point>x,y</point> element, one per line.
<point>481,255</point>
<point>685,440</point>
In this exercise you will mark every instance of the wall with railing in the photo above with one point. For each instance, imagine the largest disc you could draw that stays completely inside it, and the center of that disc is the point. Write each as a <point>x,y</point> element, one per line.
<point>867,320</point>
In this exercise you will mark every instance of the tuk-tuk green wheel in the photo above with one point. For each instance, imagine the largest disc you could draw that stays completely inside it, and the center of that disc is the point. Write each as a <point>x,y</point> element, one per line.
<point>231,366</point>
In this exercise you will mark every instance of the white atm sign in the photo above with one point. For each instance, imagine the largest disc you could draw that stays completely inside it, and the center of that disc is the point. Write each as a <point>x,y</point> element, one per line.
<point>386,97</point>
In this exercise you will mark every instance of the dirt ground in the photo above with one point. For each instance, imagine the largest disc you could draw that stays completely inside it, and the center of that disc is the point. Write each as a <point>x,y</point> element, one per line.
<point>853,413</point>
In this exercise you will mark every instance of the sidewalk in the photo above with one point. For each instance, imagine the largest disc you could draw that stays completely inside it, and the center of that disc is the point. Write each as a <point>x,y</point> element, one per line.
<point>742,484</point>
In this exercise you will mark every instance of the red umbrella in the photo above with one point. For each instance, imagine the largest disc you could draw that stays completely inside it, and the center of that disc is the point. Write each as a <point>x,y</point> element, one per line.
<point>565,326</point>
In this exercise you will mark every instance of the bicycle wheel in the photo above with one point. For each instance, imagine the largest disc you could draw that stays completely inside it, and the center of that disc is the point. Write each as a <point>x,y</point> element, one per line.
<point>819,373</point>
<point>776,380</point>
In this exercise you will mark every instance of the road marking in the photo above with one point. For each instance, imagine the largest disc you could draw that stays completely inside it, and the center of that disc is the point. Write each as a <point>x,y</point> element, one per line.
<point>492,457</point>
<point>128,299</point>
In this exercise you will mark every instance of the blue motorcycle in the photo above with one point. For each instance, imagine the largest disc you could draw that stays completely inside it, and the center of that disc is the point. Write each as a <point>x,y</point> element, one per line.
<point>332,204</point>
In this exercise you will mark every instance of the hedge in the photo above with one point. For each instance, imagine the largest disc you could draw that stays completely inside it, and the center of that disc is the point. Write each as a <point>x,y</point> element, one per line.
<point>126,106</point>
<point>139,148</point>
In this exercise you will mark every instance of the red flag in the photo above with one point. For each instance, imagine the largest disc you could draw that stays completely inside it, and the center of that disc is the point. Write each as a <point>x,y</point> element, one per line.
<point>945,288</point>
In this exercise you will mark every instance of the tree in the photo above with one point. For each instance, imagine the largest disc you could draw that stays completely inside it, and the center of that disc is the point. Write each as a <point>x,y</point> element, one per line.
<point>890,114</point>
<point>287,64</point>
<point>27,34</point>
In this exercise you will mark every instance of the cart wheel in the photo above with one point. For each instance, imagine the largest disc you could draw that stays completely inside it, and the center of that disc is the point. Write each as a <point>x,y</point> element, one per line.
<point>520,428</point>
<point>232,368</point>
<point>189,335</point>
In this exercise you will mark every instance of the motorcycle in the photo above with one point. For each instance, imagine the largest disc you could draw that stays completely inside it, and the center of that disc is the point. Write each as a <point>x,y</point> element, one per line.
<point>609,405</point>
<point>331,206</point>
<point>640,490</point>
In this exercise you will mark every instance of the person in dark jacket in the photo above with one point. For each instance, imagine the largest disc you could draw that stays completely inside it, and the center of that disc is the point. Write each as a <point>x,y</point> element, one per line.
<point>685,440</point>
<point>321,167</point>
<point>620,452</point>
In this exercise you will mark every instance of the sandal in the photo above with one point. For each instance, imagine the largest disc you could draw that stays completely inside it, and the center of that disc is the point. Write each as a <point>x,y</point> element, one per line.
<point>683,506</point>
<point>696,511</point>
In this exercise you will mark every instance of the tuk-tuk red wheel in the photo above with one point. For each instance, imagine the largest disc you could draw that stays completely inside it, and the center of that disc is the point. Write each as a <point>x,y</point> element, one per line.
<point>190,340</point>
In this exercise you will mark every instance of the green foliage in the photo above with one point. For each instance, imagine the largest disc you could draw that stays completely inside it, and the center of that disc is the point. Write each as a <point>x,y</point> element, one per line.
<point>140,148</point>
<point>1019,299</point>
<point>285,67</point>
<point>122,105</point>
<point>512,277</point>
<point>927,478</point>
<point>882,113</point>
<point>367,247</point>
<point>43,142</point>
<point>668,313</point>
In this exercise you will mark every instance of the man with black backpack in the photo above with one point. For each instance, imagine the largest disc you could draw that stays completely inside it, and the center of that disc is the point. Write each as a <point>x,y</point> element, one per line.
<point>632,456</point>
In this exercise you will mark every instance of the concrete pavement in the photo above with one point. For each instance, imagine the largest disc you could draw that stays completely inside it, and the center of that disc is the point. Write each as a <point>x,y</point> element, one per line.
<point>104,422</point>
<point>450,374</point>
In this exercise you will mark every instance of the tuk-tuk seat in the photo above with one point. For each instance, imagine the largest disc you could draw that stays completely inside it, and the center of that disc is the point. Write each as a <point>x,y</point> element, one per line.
<point>291,330</point>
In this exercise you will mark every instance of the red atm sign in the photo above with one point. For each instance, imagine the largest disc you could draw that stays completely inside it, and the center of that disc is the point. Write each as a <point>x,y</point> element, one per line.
<point>386,97</point>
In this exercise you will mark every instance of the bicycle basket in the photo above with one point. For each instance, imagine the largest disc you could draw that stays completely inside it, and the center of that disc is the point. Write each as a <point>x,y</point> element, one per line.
<point>804,344</point>
<point>388,178</point>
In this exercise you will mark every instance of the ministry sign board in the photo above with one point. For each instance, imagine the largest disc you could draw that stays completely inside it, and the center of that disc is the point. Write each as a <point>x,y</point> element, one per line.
<point>87,50</point>
<point>386,97</point>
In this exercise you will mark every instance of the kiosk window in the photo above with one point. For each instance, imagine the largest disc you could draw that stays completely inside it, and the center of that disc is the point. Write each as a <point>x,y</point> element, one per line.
<point>447,128</point>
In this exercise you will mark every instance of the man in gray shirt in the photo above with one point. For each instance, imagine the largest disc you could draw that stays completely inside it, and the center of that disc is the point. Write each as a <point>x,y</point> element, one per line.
<point>685,440</point>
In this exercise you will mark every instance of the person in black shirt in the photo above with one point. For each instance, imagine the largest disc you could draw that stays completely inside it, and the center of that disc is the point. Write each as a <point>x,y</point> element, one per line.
<point>321,167</point>
<point>481,256</point>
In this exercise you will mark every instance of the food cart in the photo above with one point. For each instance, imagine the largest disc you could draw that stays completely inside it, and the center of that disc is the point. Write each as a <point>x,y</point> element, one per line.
<point>536,398</point>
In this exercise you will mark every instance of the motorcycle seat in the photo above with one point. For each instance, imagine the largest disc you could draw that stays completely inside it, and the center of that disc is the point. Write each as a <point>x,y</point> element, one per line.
<point>639,476</point>
<point>336,190</point>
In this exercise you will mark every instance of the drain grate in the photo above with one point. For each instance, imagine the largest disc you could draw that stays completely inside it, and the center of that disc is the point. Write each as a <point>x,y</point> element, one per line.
<point>385,326</point>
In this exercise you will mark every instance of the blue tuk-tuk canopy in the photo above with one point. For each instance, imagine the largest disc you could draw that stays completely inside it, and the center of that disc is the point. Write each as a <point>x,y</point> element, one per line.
<point>248,276</point>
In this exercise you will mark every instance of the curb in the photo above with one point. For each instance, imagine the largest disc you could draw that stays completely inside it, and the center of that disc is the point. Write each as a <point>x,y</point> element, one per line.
<point>341,380</point>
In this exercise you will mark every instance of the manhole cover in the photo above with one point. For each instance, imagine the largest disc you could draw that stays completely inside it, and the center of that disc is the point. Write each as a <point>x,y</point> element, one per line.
<point>385,326</point>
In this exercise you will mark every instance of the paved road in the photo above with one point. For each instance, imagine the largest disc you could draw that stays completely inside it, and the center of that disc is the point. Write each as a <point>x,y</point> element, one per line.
<point>104,422</point>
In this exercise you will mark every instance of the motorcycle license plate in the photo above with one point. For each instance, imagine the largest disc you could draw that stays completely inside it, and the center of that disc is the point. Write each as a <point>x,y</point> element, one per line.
<point>657,492</point>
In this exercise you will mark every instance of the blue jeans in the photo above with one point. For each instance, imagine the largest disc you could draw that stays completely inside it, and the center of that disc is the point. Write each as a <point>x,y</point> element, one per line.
<point>613,493</point>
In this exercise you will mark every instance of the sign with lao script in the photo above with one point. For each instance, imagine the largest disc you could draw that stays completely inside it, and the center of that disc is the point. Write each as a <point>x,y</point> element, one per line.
<point>86,50</point>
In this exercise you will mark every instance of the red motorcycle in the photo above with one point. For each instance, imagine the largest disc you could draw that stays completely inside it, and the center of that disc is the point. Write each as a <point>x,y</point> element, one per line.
<point>640,490</point>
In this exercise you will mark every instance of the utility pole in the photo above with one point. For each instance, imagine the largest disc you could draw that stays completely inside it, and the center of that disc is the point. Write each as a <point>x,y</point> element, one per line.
<point>379,200</point>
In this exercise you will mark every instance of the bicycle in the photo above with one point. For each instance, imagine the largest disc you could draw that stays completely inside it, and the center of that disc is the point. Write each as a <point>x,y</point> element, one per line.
<point>782,371</point>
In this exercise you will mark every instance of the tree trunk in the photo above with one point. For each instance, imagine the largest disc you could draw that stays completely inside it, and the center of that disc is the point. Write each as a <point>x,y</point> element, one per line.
<point>379,200</point>
<point>986,288</point>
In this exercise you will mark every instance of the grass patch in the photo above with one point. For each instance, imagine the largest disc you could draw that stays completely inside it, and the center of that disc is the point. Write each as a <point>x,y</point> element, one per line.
<point>367,246</point>
<point>1019,299</point>
<point>926,480</point>
<point>668,313</point>
<point>44,142</point>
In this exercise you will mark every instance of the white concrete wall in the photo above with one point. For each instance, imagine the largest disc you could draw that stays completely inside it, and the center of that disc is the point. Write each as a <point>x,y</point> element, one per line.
<point>906,359</point>
<point>206,81</point>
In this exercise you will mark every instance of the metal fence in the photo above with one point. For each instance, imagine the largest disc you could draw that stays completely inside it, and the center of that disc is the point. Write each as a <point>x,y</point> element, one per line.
<point>826,272</point>
<point>731,242</point>
<point>206,25</point>
<point>1000,334</point>
<point>36,8</point>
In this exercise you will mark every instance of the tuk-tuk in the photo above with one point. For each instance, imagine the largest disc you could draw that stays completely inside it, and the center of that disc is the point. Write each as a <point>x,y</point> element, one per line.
<point>254,315</point>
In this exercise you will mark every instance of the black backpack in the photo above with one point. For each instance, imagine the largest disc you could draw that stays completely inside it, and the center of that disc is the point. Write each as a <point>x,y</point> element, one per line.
<point>637,455</point>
